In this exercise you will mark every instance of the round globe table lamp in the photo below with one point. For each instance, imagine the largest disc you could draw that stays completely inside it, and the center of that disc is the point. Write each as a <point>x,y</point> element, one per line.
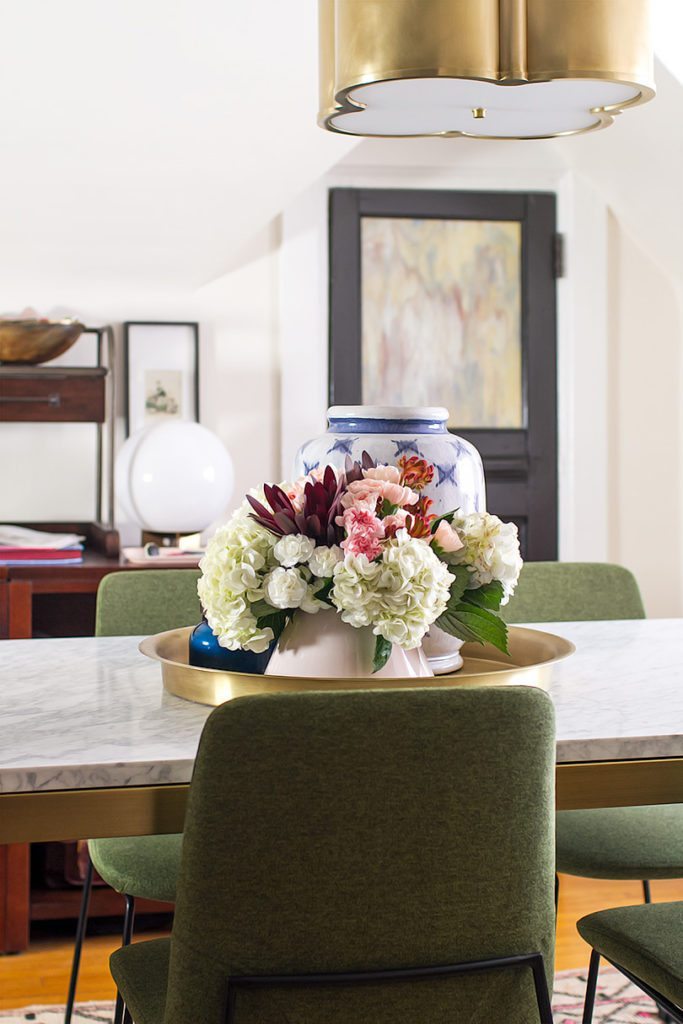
<point>173,479</point>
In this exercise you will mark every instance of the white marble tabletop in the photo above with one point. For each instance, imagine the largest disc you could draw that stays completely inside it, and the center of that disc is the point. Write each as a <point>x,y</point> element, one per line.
<point>91,712</point>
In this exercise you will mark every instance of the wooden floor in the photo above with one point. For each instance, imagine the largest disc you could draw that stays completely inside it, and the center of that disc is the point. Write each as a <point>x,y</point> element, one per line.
<point>41,974</point>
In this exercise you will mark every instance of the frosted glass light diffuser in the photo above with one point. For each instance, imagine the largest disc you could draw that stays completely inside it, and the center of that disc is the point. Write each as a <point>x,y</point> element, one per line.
<point>520,69</point>
<point>174,477</point>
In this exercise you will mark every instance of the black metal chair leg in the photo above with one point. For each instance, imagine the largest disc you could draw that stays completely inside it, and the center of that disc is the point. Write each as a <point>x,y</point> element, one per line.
<point>78,947</point>
<point>545,1012</point>
<point>590,987</point>
<point>557,894</point>
<point>647,896</point>
<point>121,1015</point>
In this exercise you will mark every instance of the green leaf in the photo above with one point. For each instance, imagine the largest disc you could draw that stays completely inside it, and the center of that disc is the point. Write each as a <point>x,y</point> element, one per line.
<point>469,620</point>
<point>447,517</point>
<point>450,623</point>
<point>324,593</point>
<point>487,626</point>
<point>458,586</point>
<point>382,653</point>
<point>261,608</point>
<point>488,596</point>
<point>277,620</point>
<point>387,508</point>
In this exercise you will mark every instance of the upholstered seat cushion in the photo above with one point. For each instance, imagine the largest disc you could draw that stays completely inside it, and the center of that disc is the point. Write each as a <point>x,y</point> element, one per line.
<point>621,842</point>
<point>141,974</point>
<point>645,940</point>
<point>145,866</point>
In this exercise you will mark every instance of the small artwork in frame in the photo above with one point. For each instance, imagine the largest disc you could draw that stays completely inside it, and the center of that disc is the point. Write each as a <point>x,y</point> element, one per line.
<point>162,372</point>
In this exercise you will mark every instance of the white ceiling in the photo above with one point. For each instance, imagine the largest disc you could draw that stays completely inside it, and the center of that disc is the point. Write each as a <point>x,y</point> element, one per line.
<point>145,140</point>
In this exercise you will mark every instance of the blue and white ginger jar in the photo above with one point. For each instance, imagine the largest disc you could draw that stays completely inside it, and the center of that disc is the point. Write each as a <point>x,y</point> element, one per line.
<point>387,433</point>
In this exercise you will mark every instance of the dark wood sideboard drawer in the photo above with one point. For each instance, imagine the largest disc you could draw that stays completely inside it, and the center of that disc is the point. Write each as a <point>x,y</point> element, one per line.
<point>53,398</point>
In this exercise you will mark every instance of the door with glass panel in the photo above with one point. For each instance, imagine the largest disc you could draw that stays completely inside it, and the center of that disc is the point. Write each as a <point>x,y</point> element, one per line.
<point>448,298</point>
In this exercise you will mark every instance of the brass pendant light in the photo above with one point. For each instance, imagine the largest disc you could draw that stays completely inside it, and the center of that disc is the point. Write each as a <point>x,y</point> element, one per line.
<point>513,69</point>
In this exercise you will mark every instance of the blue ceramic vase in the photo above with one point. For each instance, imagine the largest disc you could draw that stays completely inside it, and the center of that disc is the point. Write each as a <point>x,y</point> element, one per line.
<point>387,433</point>
<point>206,652</point>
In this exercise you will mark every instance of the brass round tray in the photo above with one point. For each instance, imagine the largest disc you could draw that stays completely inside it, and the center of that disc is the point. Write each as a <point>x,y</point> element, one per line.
<point>532,655</point>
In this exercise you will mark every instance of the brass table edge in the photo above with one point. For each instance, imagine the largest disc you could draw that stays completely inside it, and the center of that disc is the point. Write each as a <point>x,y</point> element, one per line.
<point>47,815</point>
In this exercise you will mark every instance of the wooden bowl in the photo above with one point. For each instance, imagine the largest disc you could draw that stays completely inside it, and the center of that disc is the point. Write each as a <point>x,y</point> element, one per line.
<point>36,341</point>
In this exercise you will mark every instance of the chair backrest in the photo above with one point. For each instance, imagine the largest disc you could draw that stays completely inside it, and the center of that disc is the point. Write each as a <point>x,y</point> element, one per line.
<point>373,830</point>
<point>147,601</point>
<point>574,592</point>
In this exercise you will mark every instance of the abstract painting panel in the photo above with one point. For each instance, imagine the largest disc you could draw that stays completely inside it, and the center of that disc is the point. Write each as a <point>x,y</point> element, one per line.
<point>441,317</point>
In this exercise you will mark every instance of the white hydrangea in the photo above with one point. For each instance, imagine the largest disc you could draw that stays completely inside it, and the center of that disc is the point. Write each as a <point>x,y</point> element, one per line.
<point>285,588</point>
<point>491,551</point>
<point>355,589</point>
<point>294,548</point>
<point>312,604</point>
<point>400,595</point>
<point>324,559</point>
<point>237,559</point>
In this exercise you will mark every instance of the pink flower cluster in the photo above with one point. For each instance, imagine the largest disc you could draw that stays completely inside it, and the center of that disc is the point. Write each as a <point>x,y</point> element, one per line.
<point>364,531</point>
<point>380,504</point>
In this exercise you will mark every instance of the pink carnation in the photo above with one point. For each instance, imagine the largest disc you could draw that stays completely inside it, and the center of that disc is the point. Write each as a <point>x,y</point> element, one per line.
<point>364,531</point>
<point>366,492</point>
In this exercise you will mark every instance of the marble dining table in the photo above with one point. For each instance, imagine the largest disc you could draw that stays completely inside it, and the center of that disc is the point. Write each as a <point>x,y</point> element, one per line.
<point>92,745</point>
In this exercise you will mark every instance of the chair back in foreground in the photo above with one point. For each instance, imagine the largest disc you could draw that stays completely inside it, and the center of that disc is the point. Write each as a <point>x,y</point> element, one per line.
<point>574,592</point>
<point>147,601</point>
<point>373,831</point>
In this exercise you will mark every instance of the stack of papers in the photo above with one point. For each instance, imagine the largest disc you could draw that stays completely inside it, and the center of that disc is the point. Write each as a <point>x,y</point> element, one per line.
<point>20,545</point>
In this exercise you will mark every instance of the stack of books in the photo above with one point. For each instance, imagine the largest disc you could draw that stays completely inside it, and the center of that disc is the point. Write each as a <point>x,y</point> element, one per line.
<point>21,546</point>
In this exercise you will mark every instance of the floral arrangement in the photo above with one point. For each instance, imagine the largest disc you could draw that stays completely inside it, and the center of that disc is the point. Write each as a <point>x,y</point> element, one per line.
<point>363,542</point>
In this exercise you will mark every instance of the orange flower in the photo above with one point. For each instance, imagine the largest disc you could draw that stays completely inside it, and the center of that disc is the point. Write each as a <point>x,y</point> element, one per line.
<point>418,527</point>
<point>416,473</point>
<point>420,519</point>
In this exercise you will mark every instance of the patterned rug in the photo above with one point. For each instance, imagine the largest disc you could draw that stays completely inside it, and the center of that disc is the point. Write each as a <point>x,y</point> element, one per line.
<point>618,1002</point>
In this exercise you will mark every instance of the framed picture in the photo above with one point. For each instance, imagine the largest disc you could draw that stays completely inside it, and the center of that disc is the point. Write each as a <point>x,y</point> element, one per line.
<point>448,298</point>
<point>161,371</point>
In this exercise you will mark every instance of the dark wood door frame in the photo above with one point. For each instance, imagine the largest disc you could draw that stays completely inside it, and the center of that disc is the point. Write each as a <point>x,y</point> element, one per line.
<point>520,464</point>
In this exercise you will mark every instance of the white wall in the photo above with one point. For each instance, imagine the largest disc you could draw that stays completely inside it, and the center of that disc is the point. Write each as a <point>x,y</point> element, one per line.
<point>645,423</point>
<point>48,472</point>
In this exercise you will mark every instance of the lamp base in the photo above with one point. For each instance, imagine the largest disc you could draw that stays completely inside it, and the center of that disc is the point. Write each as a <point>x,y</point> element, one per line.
<point>184,541</point>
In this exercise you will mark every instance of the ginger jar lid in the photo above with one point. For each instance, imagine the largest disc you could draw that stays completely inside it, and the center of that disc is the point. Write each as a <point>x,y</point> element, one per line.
<point>431,414</point>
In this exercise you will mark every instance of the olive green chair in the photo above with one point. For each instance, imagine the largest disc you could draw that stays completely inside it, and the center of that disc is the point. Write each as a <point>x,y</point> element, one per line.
<point>135,604</point>
<point>646,944</point>
<point>574,592</point>
<point>638,843</point>
<point>383,856</point>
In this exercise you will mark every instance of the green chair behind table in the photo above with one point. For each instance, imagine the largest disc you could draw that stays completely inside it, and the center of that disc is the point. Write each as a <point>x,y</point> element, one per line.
<point>646,944</point>
<point>381,856</point>
<point>638,843</point>
<point>135,604</point>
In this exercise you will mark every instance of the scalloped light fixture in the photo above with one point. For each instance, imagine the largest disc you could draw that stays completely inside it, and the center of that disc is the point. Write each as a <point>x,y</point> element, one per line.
<point>491,69</point>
